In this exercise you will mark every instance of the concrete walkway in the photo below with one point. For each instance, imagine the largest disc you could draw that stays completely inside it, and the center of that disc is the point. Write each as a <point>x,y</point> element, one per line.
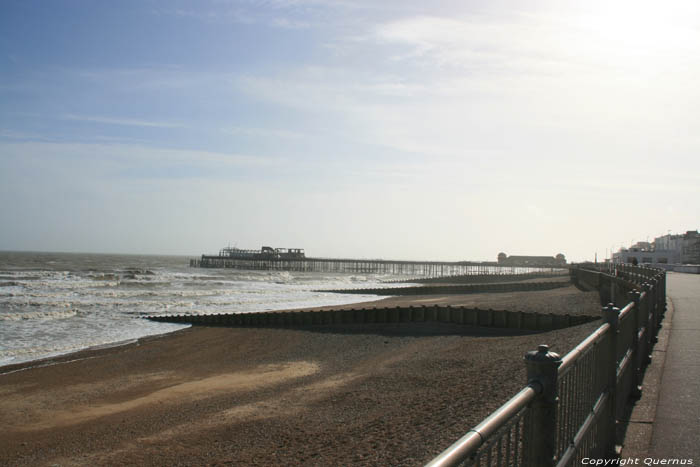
<point>675,430</point>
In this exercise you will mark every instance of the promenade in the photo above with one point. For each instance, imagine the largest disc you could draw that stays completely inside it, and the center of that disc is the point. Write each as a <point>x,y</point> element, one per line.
<point>665,422</point>
<point>676,428</point>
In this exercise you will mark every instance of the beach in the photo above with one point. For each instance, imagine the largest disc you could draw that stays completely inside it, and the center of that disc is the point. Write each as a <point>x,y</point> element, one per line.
<point>325,395</point>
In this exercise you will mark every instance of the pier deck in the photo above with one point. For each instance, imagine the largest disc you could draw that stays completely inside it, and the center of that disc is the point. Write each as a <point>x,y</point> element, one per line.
<point>371,266</point>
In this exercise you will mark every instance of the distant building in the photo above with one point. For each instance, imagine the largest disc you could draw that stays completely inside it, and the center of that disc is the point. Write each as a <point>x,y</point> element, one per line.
<point>532,261</point>
<point>639,256</point>
<point>686,245</point>
<point>670,242</point>
<point>667,249</point>
<point>643,246</point>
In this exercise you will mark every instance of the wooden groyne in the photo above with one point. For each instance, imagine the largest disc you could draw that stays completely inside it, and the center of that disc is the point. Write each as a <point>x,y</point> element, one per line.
<point>361,266</point>
<point>455,289</point>
<point>483,278</point>
<point>528,321</point>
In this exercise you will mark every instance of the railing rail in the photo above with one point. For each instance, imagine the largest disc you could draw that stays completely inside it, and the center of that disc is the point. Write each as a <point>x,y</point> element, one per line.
<point>570,406</point>
<point>510,412</point>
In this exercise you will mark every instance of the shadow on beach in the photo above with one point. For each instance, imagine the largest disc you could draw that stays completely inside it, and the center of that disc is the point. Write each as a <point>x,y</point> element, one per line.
<point>422,329</point>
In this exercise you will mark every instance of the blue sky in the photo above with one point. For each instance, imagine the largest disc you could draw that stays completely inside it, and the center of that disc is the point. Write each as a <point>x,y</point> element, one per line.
<point>407,130</point>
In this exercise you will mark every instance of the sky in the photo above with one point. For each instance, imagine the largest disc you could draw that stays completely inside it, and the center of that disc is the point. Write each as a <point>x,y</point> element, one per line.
<point>442,130</point>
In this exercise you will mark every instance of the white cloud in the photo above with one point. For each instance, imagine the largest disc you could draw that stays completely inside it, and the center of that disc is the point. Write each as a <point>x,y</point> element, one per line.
<point>287,23</point>
<point>10,134</point>
<point>265,132</point>
<point>106,162</point>
<point>478,44</point>
<point>121,121</point>
<point>283,14</point>
<point>527,84</point>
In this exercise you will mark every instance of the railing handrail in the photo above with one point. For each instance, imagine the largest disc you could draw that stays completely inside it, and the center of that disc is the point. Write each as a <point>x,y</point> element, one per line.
<point>467,445</point>
<point>575,353</point>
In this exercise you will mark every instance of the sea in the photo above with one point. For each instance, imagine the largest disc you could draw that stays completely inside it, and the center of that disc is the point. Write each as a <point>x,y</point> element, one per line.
<point>57,303</point>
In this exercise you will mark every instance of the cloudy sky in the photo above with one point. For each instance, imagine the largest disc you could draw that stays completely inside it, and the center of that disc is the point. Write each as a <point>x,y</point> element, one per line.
<point>404,129</point>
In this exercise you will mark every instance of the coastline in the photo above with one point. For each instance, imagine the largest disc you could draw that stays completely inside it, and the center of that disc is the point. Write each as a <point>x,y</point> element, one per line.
<point>348,302</point>
<point>269,396</point>
<point>511,301</point>
<point>86,353</point>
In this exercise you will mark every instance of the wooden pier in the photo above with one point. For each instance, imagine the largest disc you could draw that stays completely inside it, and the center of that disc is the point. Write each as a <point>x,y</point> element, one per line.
<point>364,266</point>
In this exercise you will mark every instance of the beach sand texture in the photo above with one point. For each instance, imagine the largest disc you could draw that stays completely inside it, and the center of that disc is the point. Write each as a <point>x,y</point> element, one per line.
<point>353,395</point>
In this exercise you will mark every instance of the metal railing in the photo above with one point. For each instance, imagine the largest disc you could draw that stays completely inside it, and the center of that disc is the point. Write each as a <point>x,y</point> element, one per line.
<point>498,437</point>
<point>570,406</point>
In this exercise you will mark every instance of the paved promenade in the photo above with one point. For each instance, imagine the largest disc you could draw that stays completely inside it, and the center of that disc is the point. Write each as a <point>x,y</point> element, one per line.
<point>676,426</point>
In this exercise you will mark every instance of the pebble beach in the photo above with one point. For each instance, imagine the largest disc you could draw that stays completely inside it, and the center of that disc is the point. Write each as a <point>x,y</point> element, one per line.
<point>332,395</point>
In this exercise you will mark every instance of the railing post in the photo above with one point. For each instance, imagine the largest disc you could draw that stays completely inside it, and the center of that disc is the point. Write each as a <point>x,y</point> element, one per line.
<point>540,427</point>
<point>611,315</point>
<point>651,309</point>
<point>613,290</point>
<point>573,273</point>
<point>636,348</point>
<point>657,308</point>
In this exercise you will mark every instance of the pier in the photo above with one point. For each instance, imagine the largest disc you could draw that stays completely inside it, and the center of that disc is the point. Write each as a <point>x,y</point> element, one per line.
<point>364,266</point>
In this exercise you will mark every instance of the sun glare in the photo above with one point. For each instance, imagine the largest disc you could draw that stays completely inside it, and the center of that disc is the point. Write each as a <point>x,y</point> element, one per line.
<point>630,31</point>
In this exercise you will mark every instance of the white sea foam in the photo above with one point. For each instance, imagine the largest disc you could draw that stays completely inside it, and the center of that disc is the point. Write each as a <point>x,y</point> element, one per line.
<point>36,315</point>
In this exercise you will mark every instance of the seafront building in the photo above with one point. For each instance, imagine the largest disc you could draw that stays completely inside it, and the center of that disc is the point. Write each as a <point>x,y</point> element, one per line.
<point>531,261</point>
<point>667,249</point>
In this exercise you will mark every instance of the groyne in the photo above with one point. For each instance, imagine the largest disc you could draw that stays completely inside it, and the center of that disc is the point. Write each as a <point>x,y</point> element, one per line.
<point>483,278</point>
<point>373,315</point>
<point>455,289</point>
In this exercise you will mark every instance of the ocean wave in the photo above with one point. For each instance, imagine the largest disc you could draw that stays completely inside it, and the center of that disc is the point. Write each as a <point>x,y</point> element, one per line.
<point>128,283</point>
<point>138,271</point>
<point>39,315</point>
<point>262,276</point>
<point>208,283</point>
<point>143,284</point>
<point>107,276</point>
<point>194,278</point>
<point>26,301</point>
<point>4,277</point>
<point>21,276</point>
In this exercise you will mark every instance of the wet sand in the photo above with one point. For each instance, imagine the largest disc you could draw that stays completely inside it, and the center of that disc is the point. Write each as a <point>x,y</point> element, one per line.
<point>355,395</point>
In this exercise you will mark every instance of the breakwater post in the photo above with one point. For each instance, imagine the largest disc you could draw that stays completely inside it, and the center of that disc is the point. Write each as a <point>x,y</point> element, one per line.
<point>526,321</point>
